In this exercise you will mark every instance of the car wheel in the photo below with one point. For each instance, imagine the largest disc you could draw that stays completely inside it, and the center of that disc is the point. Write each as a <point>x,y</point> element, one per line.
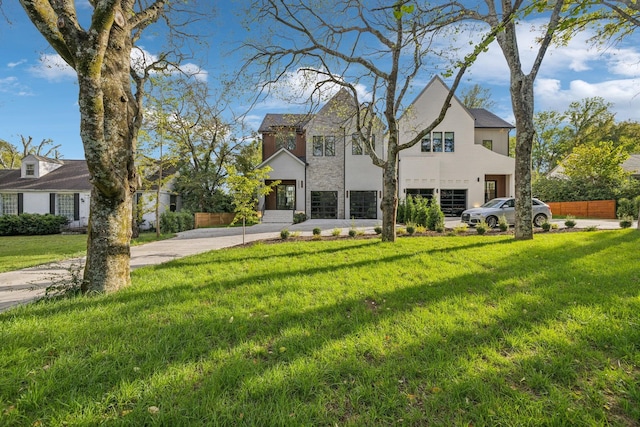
<point>539,220</point>
<point>491,221</point>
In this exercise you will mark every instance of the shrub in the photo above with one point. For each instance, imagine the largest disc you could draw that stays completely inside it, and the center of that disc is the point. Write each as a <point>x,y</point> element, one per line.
<point>570,221</point>
<point>554,226</point>
<point>336,232</point>
<point>420,229</point>
<point>316,231</point>
<point>591,228</point>
<point>31,224</point>
<point>546,226</point>
<point>460,229</point>
<point>400,231</point>
<point>377,229</point>
<point>482,228</point>
<point>435,216</point>
<point>411,229</point>
<point>503,225</point>
<point>352,232</point>
<point>626,221</point>
<point>299,217</point>
<point>626,208</point>
<point>175,222</point>
<point>284,234</point>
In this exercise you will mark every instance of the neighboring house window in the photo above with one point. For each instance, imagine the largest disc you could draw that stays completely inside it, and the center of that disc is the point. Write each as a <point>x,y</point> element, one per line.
<point>286,140</point>
<point>65,205</point>
<point>9,204</point>
<point>356,145</point>
<point>30,169</point>
<point>437,142</point>
<point>425,145</point>
<point>324,145</point>
<point>488,144</point>
<point>448,142</point>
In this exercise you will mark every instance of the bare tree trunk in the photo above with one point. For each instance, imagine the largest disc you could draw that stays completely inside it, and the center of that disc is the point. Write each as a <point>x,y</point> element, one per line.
<point>522,100</point>
<point>108,244</point>
<point>389,202</point>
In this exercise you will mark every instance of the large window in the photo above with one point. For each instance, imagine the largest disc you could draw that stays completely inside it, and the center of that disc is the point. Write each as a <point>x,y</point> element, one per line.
<point>9,204</point>
<point>285,197</point>
<point>324,204</point>
<point>448,142</point>
<point>363,204</point>
<point>437,142</point>
<point>356,145</point>
<point>324,145</point>
<point>65,205</point>
<point>286,140</point>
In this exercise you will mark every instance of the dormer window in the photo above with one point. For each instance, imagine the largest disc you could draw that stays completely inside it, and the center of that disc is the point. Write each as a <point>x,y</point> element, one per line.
<point>30,169</point>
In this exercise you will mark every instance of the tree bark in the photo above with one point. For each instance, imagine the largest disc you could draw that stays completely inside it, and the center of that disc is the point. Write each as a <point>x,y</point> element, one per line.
<point>389,202</point>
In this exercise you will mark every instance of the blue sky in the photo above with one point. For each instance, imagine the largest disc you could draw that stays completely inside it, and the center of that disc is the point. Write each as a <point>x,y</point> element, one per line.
<point>38,94</point>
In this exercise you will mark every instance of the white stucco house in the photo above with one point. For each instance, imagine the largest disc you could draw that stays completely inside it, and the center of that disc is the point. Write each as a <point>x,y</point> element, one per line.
<point>325,172</point>
<point>62,187</point>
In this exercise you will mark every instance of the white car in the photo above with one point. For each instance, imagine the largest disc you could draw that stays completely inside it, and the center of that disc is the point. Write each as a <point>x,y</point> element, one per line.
<point>491,212</point>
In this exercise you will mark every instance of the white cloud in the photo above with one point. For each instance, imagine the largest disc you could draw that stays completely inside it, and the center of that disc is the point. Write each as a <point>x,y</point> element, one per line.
<point>12,85</point>
<point>53,68</point>
<point>624,94</point>
<point>15,64</point>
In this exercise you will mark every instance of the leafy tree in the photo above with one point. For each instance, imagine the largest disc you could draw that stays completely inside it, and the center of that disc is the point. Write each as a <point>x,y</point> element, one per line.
<point>245,189</point>
<point>477,97</point>
<point>598,164</point>
<point>551,140</point>
<point>110,112</point>
<point>9,155</point>
<point>377,45</point>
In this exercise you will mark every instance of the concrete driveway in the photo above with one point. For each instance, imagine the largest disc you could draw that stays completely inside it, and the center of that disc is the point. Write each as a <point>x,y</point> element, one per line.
<point>22,286</point>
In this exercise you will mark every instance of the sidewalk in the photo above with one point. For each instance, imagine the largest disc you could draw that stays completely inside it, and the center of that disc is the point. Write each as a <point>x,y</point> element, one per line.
<point>23,286</point>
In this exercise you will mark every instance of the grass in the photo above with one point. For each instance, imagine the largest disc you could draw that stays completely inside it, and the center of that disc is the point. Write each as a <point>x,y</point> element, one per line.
<point>18,252</point>
<point>474,330</point>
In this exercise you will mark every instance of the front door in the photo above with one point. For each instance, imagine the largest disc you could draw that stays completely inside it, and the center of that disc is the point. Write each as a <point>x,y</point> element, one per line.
<point>285,197</point>
<point>490,190</point>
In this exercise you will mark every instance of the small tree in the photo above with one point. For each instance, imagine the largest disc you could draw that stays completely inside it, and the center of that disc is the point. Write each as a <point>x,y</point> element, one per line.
<point>245,189</point>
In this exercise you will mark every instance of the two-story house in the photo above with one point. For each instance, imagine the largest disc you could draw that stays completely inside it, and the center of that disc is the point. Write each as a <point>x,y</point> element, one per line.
<point>322,166</point>
<point>464,162</point>
<point>326,173</point>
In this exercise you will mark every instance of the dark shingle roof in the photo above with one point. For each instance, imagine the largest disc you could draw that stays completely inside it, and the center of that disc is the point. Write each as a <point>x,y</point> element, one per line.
<point>73,175</point>
<point>273,121</point>
<point>486,119</point>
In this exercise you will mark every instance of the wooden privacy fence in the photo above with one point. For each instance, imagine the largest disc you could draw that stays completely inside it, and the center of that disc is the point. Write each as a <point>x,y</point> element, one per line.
<point>204,219</point>
<point>605,209</point>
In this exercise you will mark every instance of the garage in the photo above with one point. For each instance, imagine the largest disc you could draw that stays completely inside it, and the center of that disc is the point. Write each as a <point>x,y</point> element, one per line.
<point>453,202</point>
<point>363,204</point>
<point>324,204</point>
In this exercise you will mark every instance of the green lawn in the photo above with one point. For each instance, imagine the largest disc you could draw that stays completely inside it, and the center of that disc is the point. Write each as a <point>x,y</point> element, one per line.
<point>18,252</point>
<point>473,330</point>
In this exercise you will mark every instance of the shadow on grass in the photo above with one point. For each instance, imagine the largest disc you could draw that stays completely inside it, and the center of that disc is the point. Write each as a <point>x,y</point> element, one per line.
<point>354,359</point>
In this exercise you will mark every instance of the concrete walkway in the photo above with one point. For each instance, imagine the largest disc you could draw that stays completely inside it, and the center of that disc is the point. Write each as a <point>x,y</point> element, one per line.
<point>23,286</point>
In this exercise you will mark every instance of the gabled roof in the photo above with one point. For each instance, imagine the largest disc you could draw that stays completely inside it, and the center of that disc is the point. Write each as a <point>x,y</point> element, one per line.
<point>486,119</point>
<point>632,164</point>
<point>272,121</point>
<point>72,175</point>
<point>277,153</point>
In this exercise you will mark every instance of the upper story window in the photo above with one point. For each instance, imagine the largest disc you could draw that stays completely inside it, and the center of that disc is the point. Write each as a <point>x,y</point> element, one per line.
<point>436,144</point>
<point>9,204</point>
<point>356,145</point>
<point>324,145</point>
<point>487,143</point>
<point>286,140</point>
<point>30,169</point>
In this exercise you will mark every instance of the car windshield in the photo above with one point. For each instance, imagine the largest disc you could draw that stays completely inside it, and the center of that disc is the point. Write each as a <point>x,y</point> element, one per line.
<point>493,203</point>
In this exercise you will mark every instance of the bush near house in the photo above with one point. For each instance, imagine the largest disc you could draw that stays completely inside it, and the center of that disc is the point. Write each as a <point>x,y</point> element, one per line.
<point>31,224</point>
<point>175,222</point>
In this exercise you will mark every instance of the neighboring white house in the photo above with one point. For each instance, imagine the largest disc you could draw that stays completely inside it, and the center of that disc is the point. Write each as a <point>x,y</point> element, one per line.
<point>62,187</point>
<point>326,173</point>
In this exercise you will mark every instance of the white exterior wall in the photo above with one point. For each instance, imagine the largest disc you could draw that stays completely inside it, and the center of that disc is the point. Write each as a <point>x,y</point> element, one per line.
<point>500,138</point>
<point>361,174</point>
<point>464,168</point>
<point>285,166</point>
